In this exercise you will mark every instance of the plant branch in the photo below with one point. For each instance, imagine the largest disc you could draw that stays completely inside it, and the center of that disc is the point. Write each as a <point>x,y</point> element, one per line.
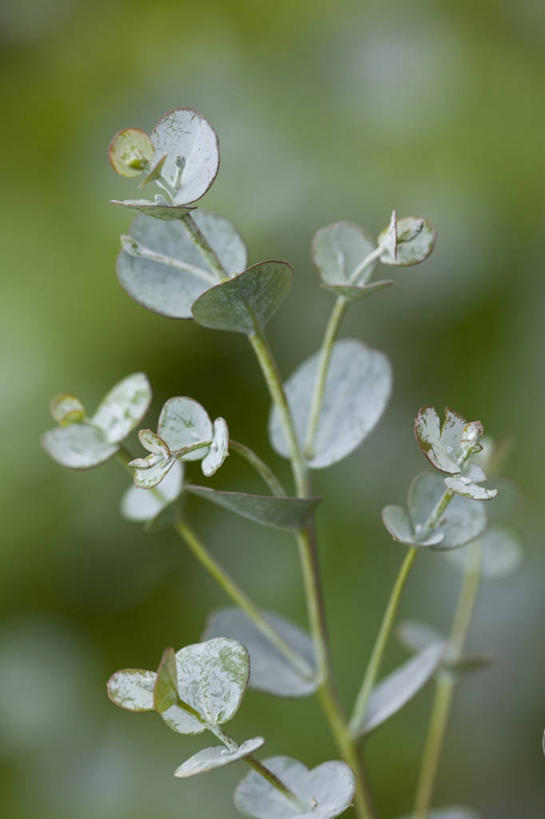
<point>446,680</point>
<point>377,654</point>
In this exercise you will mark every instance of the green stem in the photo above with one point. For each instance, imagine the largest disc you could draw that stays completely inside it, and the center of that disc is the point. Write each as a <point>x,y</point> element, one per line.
<point>446,680</point>
<point>272,779</point>
<point>375,661</point>
<point>203,245</point>
<point>263,470</point>
<point>330,335</point>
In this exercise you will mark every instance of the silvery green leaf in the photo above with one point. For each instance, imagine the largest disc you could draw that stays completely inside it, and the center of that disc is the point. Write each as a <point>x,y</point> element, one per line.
<point>216,757</point>
<point>183,422</point>
<point>417,636</point>
<point>67,409</point>
<point>219,449</point>
<point>132,689</point>
<point>399,687</point>
<point>357,389</point>
<point>388,239</point>
<point>158,210</point>
<point>463,485</point>
<point>328,790</point>
<point>78,446</point>
<point>415,242</point>
<point>153,443</point>
<point>399,524</point>
<point>123,407</point>
<point>269,510</point>
<point>450,813</point>
<point>501,553</point>
<point>165,272</point>
<point>270,670</point>
<point>357,292</point>
<point>440,444</point>
<point>145,504</point>
<point>185,133</point>
<point>212,678</point>
<point>463,520</point>
<point>130,152</point>
<point>247,300</point>
<point>165,691</point>
<point>149,472</point>
<point>338,251</point>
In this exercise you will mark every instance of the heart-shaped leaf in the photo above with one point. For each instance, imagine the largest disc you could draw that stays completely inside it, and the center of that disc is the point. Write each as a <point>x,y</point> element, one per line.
<point>132,689</point>
<point>269,510</point>
<point>245,301</point>
<point>164,271</point>
<point>399,524</point>
<point>78,446</point>
<point>183,423</point>
<point>216,757</point>
<point>219,449</point>
<point>358,385</point>
<point>463,520</point>
<point>328,790</point>
<point>270,670</point>
<point>415,241</point>
<point>501,553</point>
<point>399,687</point>
<point>123,408</point>
<point>131,152</point>
<point>146,504</point>
<point>186,134</point>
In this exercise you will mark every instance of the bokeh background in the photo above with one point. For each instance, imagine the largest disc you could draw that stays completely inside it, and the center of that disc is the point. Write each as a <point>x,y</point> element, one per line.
<point>325,110</point>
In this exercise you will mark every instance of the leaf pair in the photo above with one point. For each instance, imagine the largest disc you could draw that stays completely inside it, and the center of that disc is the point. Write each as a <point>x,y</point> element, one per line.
<point>81,442</point>
<point>345,255</point>
<point>462,521</point>
<point>448,446</point>
<point>181,155</point>
<point>184,433</point>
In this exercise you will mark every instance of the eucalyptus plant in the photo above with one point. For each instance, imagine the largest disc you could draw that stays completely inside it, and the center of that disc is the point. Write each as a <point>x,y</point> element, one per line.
<point>185,263</point>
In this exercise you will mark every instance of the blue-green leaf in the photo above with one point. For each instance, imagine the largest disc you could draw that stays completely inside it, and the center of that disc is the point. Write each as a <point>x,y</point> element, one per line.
<point>415,241</point>
<point>269,510</point>
<point>399,524</point>
<point>123,408</point>
<point>78,446</point>
<point>216,757</point>
<point>183,422</point>
<point>132,689</point>
<point>463,520</point>
<point>146,504</point>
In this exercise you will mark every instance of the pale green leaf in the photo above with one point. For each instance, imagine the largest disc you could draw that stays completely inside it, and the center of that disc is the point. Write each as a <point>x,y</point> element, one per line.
<point>130,152</point>
<point>463,520</point>
<point>398,688</point>
<point>219,449</point>
<point>360,292</point>
<point>463,485</point>
<point>418,636</point>
<point>159,209</point>
<point>123,407</point>
<point>501,553</point>
<point>399,524</point>
<point>246,301</point>
<point>448,445</point>
<point>78,446</point>
<point>328,790</point>
<point>358,386</point>
<point>165,691</point>
<point>338,251</point>
<point>149,472</point>
<point>270,670</point>
<point>132,689</point>
<point>161,268</point>
<point>415,242</point>
<point>269,510</point>
<point>183,422</point>
<point>67,409</point>
<point>146,504</point>
<point>210,758</point>
<point>185,133</point>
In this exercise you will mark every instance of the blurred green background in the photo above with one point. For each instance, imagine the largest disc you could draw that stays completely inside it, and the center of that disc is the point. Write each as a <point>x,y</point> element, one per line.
<point>325,111</point>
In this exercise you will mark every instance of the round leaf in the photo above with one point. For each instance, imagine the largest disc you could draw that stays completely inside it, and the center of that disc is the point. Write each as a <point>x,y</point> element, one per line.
<point>400,526</point>
<point>463,521</point>
<point>415,242</point>
<point>123,408</point>
<point>269,510</point>
<point>328,790</point>
<point>219,449</point>
<point>338,251</point>
<point>357,389</point>
<point>270,670</point>
<point>248,299</point>
<point>185,133</point>
<point>78,446</point>
<point>216,757</point>
<point>184,422</point>
<point>172,273</point>
<point>67,409</point>
<point>145,504</point>
<point>501,553</point>
<point>130,152</point>
<point>132,689</point>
